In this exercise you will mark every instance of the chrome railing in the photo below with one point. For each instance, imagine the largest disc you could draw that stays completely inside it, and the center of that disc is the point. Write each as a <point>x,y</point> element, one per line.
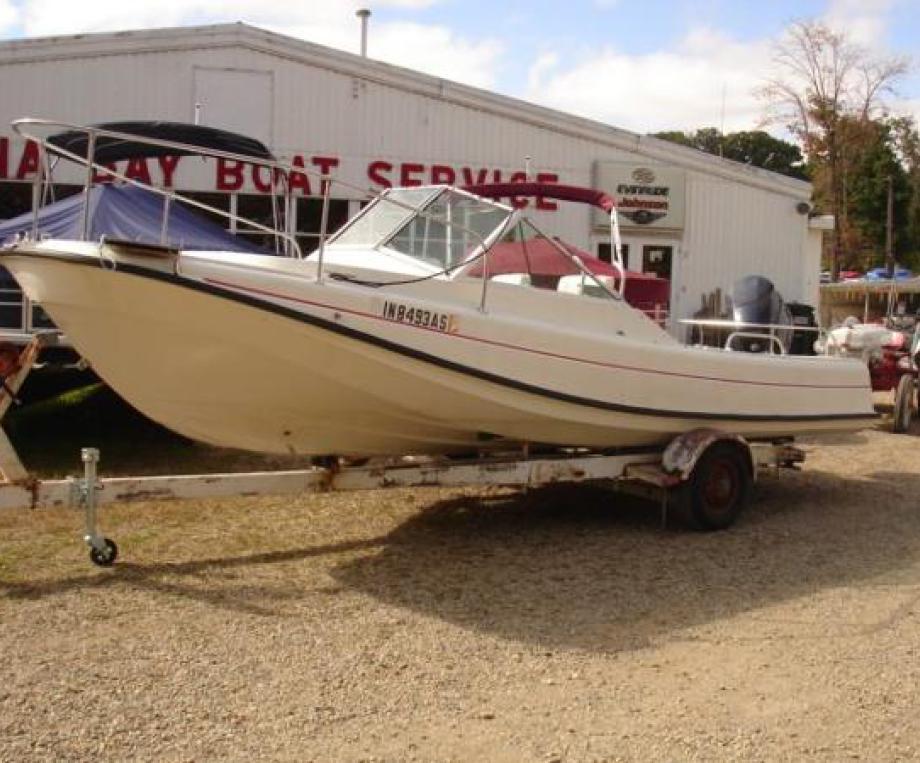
<point>28,128</point>
<point>769,332</point>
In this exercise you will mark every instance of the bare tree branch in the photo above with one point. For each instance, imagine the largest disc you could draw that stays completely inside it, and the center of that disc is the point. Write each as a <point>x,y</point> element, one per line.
<point>822,82</point>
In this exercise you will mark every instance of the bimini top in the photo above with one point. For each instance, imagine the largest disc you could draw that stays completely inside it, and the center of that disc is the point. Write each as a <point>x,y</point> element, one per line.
<point>546,190</point>
<point>109,148</point>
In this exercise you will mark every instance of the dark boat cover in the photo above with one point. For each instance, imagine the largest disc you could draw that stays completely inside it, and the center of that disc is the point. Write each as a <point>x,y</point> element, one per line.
<point>127,213</point>
<point>112,149</point>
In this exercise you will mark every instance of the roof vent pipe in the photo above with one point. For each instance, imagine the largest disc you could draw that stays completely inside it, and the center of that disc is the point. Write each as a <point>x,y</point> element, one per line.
<point>363,14</point>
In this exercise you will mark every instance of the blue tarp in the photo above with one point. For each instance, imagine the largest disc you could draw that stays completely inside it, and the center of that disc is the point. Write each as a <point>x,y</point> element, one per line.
<point>128,213</point>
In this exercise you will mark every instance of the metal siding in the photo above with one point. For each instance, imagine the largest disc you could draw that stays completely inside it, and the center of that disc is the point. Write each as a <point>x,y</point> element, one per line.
<point>733,231</point>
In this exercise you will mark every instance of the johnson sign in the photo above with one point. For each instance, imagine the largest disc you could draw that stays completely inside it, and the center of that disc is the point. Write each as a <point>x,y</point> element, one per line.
<point>647,196</point>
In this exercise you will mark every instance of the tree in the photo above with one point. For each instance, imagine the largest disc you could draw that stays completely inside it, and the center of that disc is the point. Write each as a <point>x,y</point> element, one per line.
<point>906,140</point>
<point>867,192</point>
<point>823,79</point>
<point>757,148</point>
<point>707,139</point>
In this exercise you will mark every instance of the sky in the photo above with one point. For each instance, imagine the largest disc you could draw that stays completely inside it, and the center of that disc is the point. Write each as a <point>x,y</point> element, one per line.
<point>643,65</point>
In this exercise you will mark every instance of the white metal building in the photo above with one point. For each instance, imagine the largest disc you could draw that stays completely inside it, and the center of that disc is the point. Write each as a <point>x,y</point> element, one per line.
<point>700,220</point>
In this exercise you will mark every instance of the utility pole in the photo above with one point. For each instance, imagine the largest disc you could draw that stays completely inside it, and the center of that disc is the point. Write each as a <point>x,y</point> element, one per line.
<point>889,230</point>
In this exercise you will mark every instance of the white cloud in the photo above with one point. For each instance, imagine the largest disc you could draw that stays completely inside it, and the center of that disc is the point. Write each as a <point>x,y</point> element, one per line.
<point>541,68</point>
<point>863,21</point>
<point>9,16</point>
<point>436,50</point>
<point>677,89</point>
<point>427,47</point>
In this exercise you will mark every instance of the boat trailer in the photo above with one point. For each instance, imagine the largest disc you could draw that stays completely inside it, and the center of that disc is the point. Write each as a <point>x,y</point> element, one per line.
<point>705,475</point>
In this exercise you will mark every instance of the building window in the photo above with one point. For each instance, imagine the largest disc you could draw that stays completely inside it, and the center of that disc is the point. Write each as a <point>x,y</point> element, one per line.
<point>656,260</point>
<point>15,199</point>
<point>604,252</point>
<point>260,210</point>
<point>309,219</point>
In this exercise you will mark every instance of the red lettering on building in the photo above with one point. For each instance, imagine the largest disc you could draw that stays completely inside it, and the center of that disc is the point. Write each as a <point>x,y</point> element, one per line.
<point>299,179</point>
<point>4,158</point>
<point>168,166</point>
<point>229,175</point>
<point>468,179</point>
<point>28,163</point>
<point>442,174</point>
<point>408,172</point>
<point>325,163</point>
<point>265,186</point>
<point>547,177</point>
<point>518,202</point>
<point>374,170</point>
<point>137,170</point>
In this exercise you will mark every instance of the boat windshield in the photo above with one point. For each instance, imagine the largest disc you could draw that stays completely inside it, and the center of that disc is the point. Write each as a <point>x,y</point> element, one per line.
<point>385,215</point>
<point>440,227</point>
<point>453,227</point>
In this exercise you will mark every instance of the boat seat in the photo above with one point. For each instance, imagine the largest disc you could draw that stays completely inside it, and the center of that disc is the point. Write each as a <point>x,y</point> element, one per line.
<point>515,279</point>
<point>582,284</point>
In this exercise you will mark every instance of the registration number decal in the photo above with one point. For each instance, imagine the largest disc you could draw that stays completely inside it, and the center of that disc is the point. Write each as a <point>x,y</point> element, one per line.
<point>417,316</point>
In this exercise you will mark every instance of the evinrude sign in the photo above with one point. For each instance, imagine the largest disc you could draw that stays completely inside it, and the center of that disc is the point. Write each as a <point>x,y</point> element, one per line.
<point>648,196</point>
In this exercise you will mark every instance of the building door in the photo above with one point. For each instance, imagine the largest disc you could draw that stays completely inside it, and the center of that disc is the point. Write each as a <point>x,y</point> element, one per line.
<point>657,260</point>
<point>238,100</point>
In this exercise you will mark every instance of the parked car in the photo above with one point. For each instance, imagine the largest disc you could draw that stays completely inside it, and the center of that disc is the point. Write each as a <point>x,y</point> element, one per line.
<point>881,274</point>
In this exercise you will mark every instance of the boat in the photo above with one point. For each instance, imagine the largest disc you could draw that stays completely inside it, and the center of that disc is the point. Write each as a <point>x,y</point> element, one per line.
<point>395,336</point>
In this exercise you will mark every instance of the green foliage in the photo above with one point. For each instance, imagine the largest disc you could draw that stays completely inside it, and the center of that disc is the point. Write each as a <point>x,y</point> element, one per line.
<point>755,147</point>
<point>867,193</point>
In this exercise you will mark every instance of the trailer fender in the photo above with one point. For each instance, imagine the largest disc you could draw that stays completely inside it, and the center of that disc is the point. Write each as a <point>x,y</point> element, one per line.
<point>684,451</point>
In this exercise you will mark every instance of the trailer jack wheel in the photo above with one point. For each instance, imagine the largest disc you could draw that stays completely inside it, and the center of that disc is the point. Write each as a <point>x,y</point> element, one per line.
<point>106,555</point>
<point>718,490</point>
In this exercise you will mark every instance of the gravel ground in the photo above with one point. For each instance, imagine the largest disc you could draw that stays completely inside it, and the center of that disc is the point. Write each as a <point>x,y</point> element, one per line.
<point>475,625</point>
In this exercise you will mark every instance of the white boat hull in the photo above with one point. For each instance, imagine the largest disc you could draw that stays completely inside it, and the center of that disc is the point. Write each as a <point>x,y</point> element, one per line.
<point>253,353</point>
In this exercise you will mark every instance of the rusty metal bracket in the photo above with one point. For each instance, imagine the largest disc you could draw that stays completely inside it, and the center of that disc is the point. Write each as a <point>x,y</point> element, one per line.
<point>685,450</point>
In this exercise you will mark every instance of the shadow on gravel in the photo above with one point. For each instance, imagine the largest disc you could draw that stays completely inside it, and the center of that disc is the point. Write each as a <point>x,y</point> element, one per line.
<point>182,579</point>
<point>575,567</point>
<point>560,569</point>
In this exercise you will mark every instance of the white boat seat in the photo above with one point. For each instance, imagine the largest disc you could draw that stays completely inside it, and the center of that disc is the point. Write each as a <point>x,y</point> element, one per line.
<point>515,279</point>
<point>582,284</point>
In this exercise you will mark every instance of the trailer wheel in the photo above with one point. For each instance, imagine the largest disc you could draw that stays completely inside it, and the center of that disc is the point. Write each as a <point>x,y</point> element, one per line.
<point>903,403</point>
<point>718,490</point>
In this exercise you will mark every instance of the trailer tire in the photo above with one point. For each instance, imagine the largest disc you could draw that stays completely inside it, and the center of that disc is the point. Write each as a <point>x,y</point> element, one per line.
<point>718,490</point>
<point>903,402</point>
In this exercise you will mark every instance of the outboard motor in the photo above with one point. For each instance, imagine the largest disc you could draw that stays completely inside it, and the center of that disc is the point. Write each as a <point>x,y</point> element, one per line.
<point>756,301</point>
<point>805,332</point>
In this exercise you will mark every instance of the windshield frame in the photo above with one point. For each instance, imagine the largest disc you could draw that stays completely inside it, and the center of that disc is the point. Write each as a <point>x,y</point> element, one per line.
<point>411,211</point>
<point>434,193</point>
<point>481,241</point>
